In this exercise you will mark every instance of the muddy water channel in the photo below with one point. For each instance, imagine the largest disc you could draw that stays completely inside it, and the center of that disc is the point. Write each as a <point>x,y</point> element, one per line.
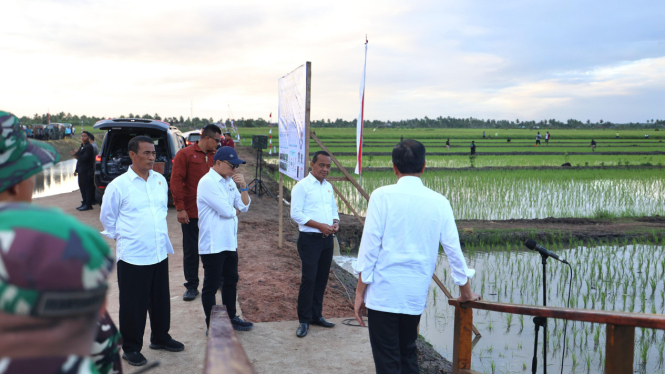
<point>623,277</point>
<point>56,180</point>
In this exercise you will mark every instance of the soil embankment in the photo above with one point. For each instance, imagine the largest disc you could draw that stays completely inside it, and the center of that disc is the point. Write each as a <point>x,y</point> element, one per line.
<point>548,230</point>
<point>63,146</point>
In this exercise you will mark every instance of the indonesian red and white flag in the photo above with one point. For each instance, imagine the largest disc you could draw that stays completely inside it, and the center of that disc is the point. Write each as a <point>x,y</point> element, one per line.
<point>359,124</point>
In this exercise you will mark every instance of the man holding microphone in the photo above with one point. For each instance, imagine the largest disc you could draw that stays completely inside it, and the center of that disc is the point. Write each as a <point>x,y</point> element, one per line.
<point>313,207</point>
<point>219,203</point>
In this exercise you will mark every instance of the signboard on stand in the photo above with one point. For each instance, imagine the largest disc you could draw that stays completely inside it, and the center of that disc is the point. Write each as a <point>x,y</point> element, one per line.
<point>293,121</point>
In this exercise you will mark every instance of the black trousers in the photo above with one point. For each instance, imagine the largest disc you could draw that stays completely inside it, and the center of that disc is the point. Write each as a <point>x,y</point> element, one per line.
<point>393,339</point>
<point>86,182</point>
<point>190,253</point>
<point>144,289</point>
<point>215,266</point>
<point>316,256</point>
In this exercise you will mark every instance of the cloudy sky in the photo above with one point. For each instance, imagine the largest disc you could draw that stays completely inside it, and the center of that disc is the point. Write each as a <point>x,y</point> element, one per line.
<point>485,59</point>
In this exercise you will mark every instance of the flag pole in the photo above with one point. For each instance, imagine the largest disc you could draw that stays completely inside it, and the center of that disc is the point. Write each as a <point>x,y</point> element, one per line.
<point>359,125</point>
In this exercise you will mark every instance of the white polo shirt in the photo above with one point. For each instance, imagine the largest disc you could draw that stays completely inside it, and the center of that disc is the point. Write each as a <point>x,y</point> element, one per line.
<point>134,215</point>
<point>217,199</point>
<point>313,200</point>
<point>405,224</point>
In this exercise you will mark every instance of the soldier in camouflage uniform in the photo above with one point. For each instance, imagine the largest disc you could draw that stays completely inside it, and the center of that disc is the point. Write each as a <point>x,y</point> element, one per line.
<point>20,160</point>
<point>53,282</point>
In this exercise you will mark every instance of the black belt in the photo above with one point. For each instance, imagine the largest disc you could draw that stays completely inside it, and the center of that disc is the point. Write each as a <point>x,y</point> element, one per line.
<point>316,234</point>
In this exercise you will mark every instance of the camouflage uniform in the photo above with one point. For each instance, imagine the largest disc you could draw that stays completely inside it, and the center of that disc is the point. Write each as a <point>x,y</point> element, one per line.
<point>106,348</point>
<point>75,262</point>
<point>21,158</point>
<point>55,365</point>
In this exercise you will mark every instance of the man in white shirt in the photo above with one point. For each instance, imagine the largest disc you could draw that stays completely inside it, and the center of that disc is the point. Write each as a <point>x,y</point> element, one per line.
<point>134,215</point>
<point>219,202</point>
<point>405,224</point>
<point>313,207</point>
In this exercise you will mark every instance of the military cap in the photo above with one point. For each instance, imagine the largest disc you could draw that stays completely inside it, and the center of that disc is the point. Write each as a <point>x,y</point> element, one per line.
<point>51,264</point>
<point>20,157</point>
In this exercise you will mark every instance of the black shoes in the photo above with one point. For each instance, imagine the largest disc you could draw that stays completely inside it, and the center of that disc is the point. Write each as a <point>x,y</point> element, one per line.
<point>323,323</point>
<point>241,325</point>
<point>84,208</point>
<point>134,358</point>
<point>190,294</point>
<point>80,206</point>
<point>171,346</point>
<point>302,330</point>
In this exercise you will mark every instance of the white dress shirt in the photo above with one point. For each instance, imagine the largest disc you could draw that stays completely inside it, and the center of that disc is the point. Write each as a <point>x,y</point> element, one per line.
<point>313,200</point>
<point>405,224</point>
<point>134,215</point>
<point>217,199</point>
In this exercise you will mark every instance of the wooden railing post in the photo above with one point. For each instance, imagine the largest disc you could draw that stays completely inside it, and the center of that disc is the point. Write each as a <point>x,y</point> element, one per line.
<point>462,339</point>
<point>619,349</point>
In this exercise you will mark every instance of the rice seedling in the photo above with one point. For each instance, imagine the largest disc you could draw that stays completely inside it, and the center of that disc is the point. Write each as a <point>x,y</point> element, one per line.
<point>644,351</point>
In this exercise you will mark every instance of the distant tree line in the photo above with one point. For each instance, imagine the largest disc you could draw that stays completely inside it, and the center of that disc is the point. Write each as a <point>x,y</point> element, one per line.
<point>426,122</point>
<point>451,122</point>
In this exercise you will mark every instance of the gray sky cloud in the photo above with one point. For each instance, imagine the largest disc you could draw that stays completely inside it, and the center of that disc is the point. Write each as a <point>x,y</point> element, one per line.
<point>509,59</point>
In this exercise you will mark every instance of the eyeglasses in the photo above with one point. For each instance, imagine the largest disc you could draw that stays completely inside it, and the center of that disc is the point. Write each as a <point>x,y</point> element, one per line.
<point>216,140</point>
<point>233,166</point>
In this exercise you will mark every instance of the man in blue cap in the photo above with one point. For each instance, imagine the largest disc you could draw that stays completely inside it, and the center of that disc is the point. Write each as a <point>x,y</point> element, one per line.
<point>219,202</point>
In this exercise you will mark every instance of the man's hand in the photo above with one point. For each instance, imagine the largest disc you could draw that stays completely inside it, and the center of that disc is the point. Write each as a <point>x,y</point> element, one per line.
<point>72,153</point>
<point>237,212</point>
<point>76,173</point>
<point>183,217</point>
<point>326,229</point>
<point>466,294</point>
<point>240,180</point>
<point>335,227</point>
<point>359,309</point>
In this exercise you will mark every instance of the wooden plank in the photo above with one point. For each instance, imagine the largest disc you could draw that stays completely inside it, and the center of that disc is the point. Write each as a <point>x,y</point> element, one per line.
<point>308,104</point>
<point>462,339</point>
<point>348,205</point>
<point>654,321</point>
<point>450,296</point>
<point>281,211</point>
<point>224,354</point>
<point>619,349</point>
<point>341,168</point>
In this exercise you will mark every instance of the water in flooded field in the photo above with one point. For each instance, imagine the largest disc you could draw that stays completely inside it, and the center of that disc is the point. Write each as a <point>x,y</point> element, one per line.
<point>56,180</point>
<point>621,278</point>
<point>530,195</point>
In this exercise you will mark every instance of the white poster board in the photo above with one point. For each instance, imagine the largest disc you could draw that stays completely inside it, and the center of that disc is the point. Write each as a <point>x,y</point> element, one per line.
<point>293,130</point>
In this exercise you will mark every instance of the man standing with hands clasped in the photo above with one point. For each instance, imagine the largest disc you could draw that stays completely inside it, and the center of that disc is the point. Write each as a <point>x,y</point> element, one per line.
<point>313,207</point>
<point>189,166</point>
<point>134,215</point>
<point>405,224</point>
<point>219,203</point>
<point>85,170</point>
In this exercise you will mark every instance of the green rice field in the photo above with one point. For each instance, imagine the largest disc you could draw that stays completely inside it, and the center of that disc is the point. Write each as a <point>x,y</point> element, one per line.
<point>623,178</point>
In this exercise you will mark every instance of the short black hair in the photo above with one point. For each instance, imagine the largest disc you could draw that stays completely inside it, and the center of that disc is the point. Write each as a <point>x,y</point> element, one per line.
<point>210,130</point>
<point>133,145</point>
<point>316,155</point>
<point>409,156</point>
